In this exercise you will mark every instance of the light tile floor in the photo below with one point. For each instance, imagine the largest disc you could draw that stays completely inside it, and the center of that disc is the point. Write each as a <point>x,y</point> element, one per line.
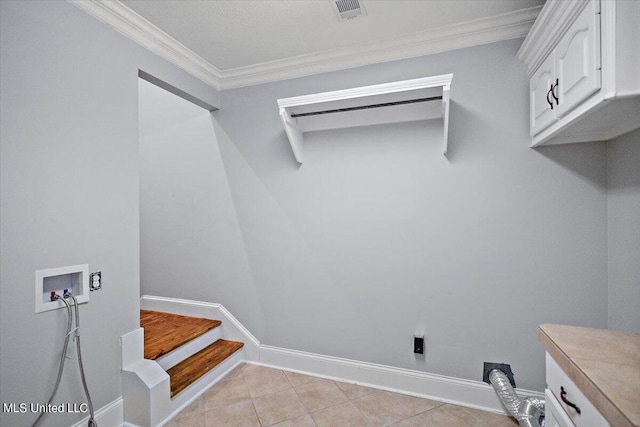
<point>256,396</point>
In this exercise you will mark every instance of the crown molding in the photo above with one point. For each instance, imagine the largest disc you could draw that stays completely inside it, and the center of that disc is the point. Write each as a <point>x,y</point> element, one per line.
<point>135,27</point>
<point>471,33</point>
<point>555,19</point>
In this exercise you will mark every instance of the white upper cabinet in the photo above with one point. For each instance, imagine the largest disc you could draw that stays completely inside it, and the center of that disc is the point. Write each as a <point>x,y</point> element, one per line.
<point>583,62</point>
<point>577,58</point>
<point>542,110</point>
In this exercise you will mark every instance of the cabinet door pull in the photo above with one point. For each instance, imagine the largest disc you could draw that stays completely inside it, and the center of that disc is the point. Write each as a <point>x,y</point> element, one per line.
<point>553,91</point>
<point>548,100</point>
<point>563,396</point>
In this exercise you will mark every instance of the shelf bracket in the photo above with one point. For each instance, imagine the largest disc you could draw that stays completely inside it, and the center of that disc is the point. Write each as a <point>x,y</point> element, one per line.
<point>293,133</point>
<point>445,118</point>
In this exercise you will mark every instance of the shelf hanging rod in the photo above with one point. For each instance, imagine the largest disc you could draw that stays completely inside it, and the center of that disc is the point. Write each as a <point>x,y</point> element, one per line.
<point>364,107</point>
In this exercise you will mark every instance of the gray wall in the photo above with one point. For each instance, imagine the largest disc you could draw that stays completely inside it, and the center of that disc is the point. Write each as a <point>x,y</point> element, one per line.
<point>378,236</point>
<point>623,203</point>
<point>69,194</point>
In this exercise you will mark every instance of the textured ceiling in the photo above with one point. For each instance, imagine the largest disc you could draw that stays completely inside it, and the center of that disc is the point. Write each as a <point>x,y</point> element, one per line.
<point>232,34</point>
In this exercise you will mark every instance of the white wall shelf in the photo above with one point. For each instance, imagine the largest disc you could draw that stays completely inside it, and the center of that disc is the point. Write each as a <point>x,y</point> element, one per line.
<point>404,101</point>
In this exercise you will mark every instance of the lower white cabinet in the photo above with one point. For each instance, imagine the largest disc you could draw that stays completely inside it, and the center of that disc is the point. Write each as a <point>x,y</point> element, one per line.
<point>554,415</point>
<point>565,404</point>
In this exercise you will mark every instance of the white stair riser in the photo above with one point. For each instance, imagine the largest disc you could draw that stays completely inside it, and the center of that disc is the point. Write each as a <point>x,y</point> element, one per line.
<point>184,351</point>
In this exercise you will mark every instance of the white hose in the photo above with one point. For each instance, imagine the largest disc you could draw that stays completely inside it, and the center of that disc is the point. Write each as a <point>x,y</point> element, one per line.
<point>62,358</point>
<point>92,421</point>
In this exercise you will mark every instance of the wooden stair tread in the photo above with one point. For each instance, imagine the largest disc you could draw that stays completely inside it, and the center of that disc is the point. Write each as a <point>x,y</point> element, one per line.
<point>164,332</point>
<point>198,364</point>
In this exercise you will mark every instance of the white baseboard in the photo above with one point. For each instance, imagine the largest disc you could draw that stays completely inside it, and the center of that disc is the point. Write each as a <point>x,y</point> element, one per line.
<point>473,394</point>
<point>110,415</point>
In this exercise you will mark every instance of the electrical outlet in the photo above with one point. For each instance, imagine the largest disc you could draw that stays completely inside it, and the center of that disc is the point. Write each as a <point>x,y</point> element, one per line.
<point>95,281</point>
<point>418,344</point>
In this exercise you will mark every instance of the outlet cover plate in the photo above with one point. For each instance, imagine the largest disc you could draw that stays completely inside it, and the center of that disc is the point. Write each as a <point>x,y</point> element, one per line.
<point>418,344</point>
<point>95,281</point>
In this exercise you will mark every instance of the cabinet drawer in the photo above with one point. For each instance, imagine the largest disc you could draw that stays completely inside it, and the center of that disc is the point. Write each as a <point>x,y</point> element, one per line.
<point>557,380</point>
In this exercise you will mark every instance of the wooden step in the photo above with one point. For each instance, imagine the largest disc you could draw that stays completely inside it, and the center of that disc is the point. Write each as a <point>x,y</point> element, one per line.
<point>192,368</point>
<point>164,332</point>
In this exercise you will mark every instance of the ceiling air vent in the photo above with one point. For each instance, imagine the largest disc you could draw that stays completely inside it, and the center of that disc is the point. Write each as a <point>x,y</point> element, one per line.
<point>348,9</point>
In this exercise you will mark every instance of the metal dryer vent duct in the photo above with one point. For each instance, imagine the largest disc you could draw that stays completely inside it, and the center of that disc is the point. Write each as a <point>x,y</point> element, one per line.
<point>348,9</point>
<point>527,411</point>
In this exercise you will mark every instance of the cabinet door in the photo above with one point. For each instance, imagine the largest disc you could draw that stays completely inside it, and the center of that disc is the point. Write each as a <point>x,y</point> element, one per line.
<point>559,383</point>
<point>540,101</point>
<point>554,415</point>
<point>578,60</point>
